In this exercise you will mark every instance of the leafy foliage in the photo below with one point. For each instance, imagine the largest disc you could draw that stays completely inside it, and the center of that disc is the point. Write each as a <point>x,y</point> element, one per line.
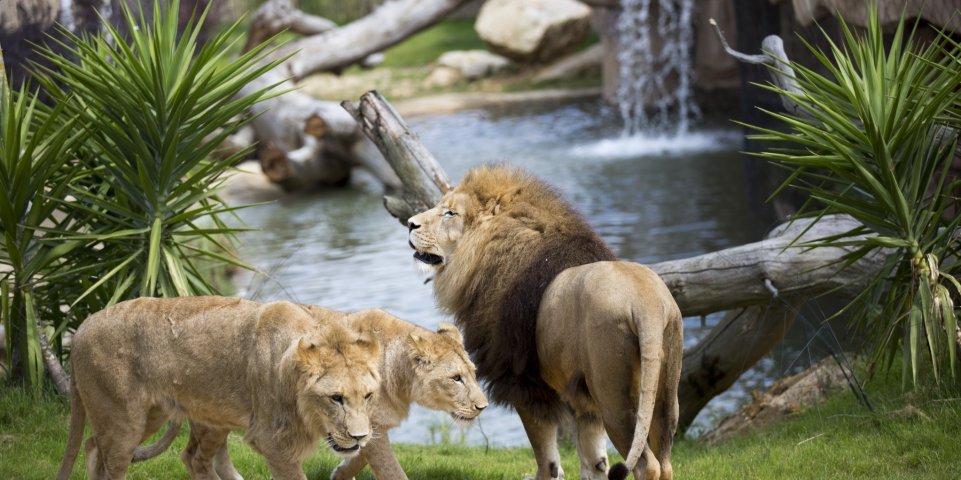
<point>878,146</point>
<point>34,148</point>
<point>131,208</point>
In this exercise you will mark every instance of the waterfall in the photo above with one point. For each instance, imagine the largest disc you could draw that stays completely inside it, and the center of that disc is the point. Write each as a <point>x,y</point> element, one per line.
<point>655,39</point>
<point>66,15</point>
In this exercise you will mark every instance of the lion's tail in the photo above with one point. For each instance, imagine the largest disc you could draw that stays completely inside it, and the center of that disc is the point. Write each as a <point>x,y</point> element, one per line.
<point>147,452</point>
<point>78,417</point>
<point>650,352</point>
<point>651,344</point>
<point>653,393</point>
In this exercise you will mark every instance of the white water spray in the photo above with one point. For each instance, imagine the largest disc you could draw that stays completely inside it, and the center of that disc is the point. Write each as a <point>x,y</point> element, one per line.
<point>66,15</point>
<point>656,76</point>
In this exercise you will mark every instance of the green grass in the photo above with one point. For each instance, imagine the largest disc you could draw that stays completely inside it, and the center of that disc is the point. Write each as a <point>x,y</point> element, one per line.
<point>840,439</point>
<point>426,46</point>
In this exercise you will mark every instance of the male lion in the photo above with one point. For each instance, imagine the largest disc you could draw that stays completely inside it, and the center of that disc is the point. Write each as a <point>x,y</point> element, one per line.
<point>551,317</point>
<point>431,369</point>
<point>226,363</point>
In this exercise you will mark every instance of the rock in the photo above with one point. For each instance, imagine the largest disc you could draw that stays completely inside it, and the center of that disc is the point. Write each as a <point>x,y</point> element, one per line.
<point>442,76</point>
<point>473,64</point>
<point>533,30</point>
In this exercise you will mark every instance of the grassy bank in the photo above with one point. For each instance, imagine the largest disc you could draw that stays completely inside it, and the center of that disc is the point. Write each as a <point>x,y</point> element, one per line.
<point>907,436</point>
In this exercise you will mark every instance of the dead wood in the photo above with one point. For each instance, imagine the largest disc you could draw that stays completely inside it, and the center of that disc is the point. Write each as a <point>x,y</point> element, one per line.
<point>424,180</point>
<point>285,122</point>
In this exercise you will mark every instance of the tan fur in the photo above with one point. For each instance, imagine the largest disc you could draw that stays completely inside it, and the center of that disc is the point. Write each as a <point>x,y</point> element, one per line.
<point>428,368</point>
<point>419,366</point>
<point>227,364</point>
<point>551,318</point>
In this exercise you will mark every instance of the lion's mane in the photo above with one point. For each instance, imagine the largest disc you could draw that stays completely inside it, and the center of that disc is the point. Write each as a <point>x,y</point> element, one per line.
<point>494,281</point>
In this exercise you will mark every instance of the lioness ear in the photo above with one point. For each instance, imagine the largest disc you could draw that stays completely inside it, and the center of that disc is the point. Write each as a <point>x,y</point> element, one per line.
<point>307,353</point>
<point>420,351</point>
<point>370,343</point>
<point>449,330</point>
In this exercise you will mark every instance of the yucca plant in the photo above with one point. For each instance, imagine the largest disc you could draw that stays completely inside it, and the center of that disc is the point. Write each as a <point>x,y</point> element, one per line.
<point>112,192</point>
<point>152,107</point>
<point>877,146</point>
<point>35,146</point>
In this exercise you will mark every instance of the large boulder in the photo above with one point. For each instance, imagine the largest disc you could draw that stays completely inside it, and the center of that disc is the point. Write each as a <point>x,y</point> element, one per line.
<point>533,30</point>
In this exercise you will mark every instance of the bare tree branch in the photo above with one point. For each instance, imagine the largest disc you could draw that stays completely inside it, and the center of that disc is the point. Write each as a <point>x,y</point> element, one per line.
<point>776,59</point>
<point>275,16</point>
<point>61,381</point>
<point>424,180</point>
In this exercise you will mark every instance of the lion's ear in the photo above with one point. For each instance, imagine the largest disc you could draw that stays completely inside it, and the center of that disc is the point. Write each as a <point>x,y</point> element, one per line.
<point>370,344</point>
<point>308,353</point>
<point>420,349</point>
<point>449,330</point>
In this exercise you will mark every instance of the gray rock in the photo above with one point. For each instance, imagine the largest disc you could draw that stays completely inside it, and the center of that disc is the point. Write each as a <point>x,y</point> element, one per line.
<point>533,30</point>
<point>473,64</point>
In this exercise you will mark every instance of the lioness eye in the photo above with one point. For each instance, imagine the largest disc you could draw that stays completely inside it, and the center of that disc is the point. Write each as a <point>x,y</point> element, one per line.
<point>449,213</point>
<point>367,397</point>
<point>457,378</point>
<point>337,399</point>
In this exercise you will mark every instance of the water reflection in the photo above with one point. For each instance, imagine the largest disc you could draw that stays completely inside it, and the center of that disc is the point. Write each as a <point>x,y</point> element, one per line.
<point>342,250</point>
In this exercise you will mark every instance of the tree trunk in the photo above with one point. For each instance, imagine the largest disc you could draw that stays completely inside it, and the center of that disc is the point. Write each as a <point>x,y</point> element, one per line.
<point>424,181</point>
<point>765,279</point>
<point>757,272</point>
<point>733,346</point>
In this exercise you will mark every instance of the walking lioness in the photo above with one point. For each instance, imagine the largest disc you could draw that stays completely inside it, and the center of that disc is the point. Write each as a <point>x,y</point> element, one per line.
<point>225,363</point>
<point>428,368</point>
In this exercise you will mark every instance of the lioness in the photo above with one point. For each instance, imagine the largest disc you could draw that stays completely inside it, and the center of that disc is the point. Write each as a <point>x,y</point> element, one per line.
<point>551,317</point>
<point>431,369</point>
<point>227,363</point>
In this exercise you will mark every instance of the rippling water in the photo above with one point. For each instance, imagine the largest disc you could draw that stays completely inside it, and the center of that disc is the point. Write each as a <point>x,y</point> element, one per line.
<point>651,200</point>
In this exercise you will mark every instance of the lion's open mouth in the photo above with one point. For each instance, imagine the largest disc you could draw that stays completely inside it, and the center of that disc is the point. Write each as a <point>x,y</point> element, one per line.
<point>462,419</point>
<point>337,448</point>
<point>428,258</point>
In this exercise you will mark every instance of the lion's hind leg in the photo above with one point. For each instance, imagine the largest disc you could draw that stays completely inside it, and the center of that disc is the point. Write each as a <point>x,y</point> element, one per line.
<point>111,448</point>
<point>543,437</point>
<point>205,445</point>
<point>591,446</point>
<point>622,398</point>
<point>664,424</point>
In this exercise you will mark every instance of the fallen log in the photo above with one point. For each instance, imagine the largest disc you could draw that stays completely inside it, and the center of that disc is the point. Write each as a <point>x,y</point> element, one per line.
<point>342,47</point>
<point>283,123</point>
<point>765,277</point>
<point>777,266</point>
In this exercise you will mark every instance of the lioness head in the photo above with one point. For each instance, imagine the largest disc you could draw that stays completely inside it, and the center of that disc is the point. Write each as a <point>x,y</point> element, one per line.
<point>339,376</point>
<point>444,377</point>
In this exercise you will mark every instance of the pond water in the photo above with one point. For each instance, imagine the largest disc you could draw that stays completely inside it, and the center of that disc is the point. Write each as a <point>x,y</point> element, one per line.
<point>651,199</point>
